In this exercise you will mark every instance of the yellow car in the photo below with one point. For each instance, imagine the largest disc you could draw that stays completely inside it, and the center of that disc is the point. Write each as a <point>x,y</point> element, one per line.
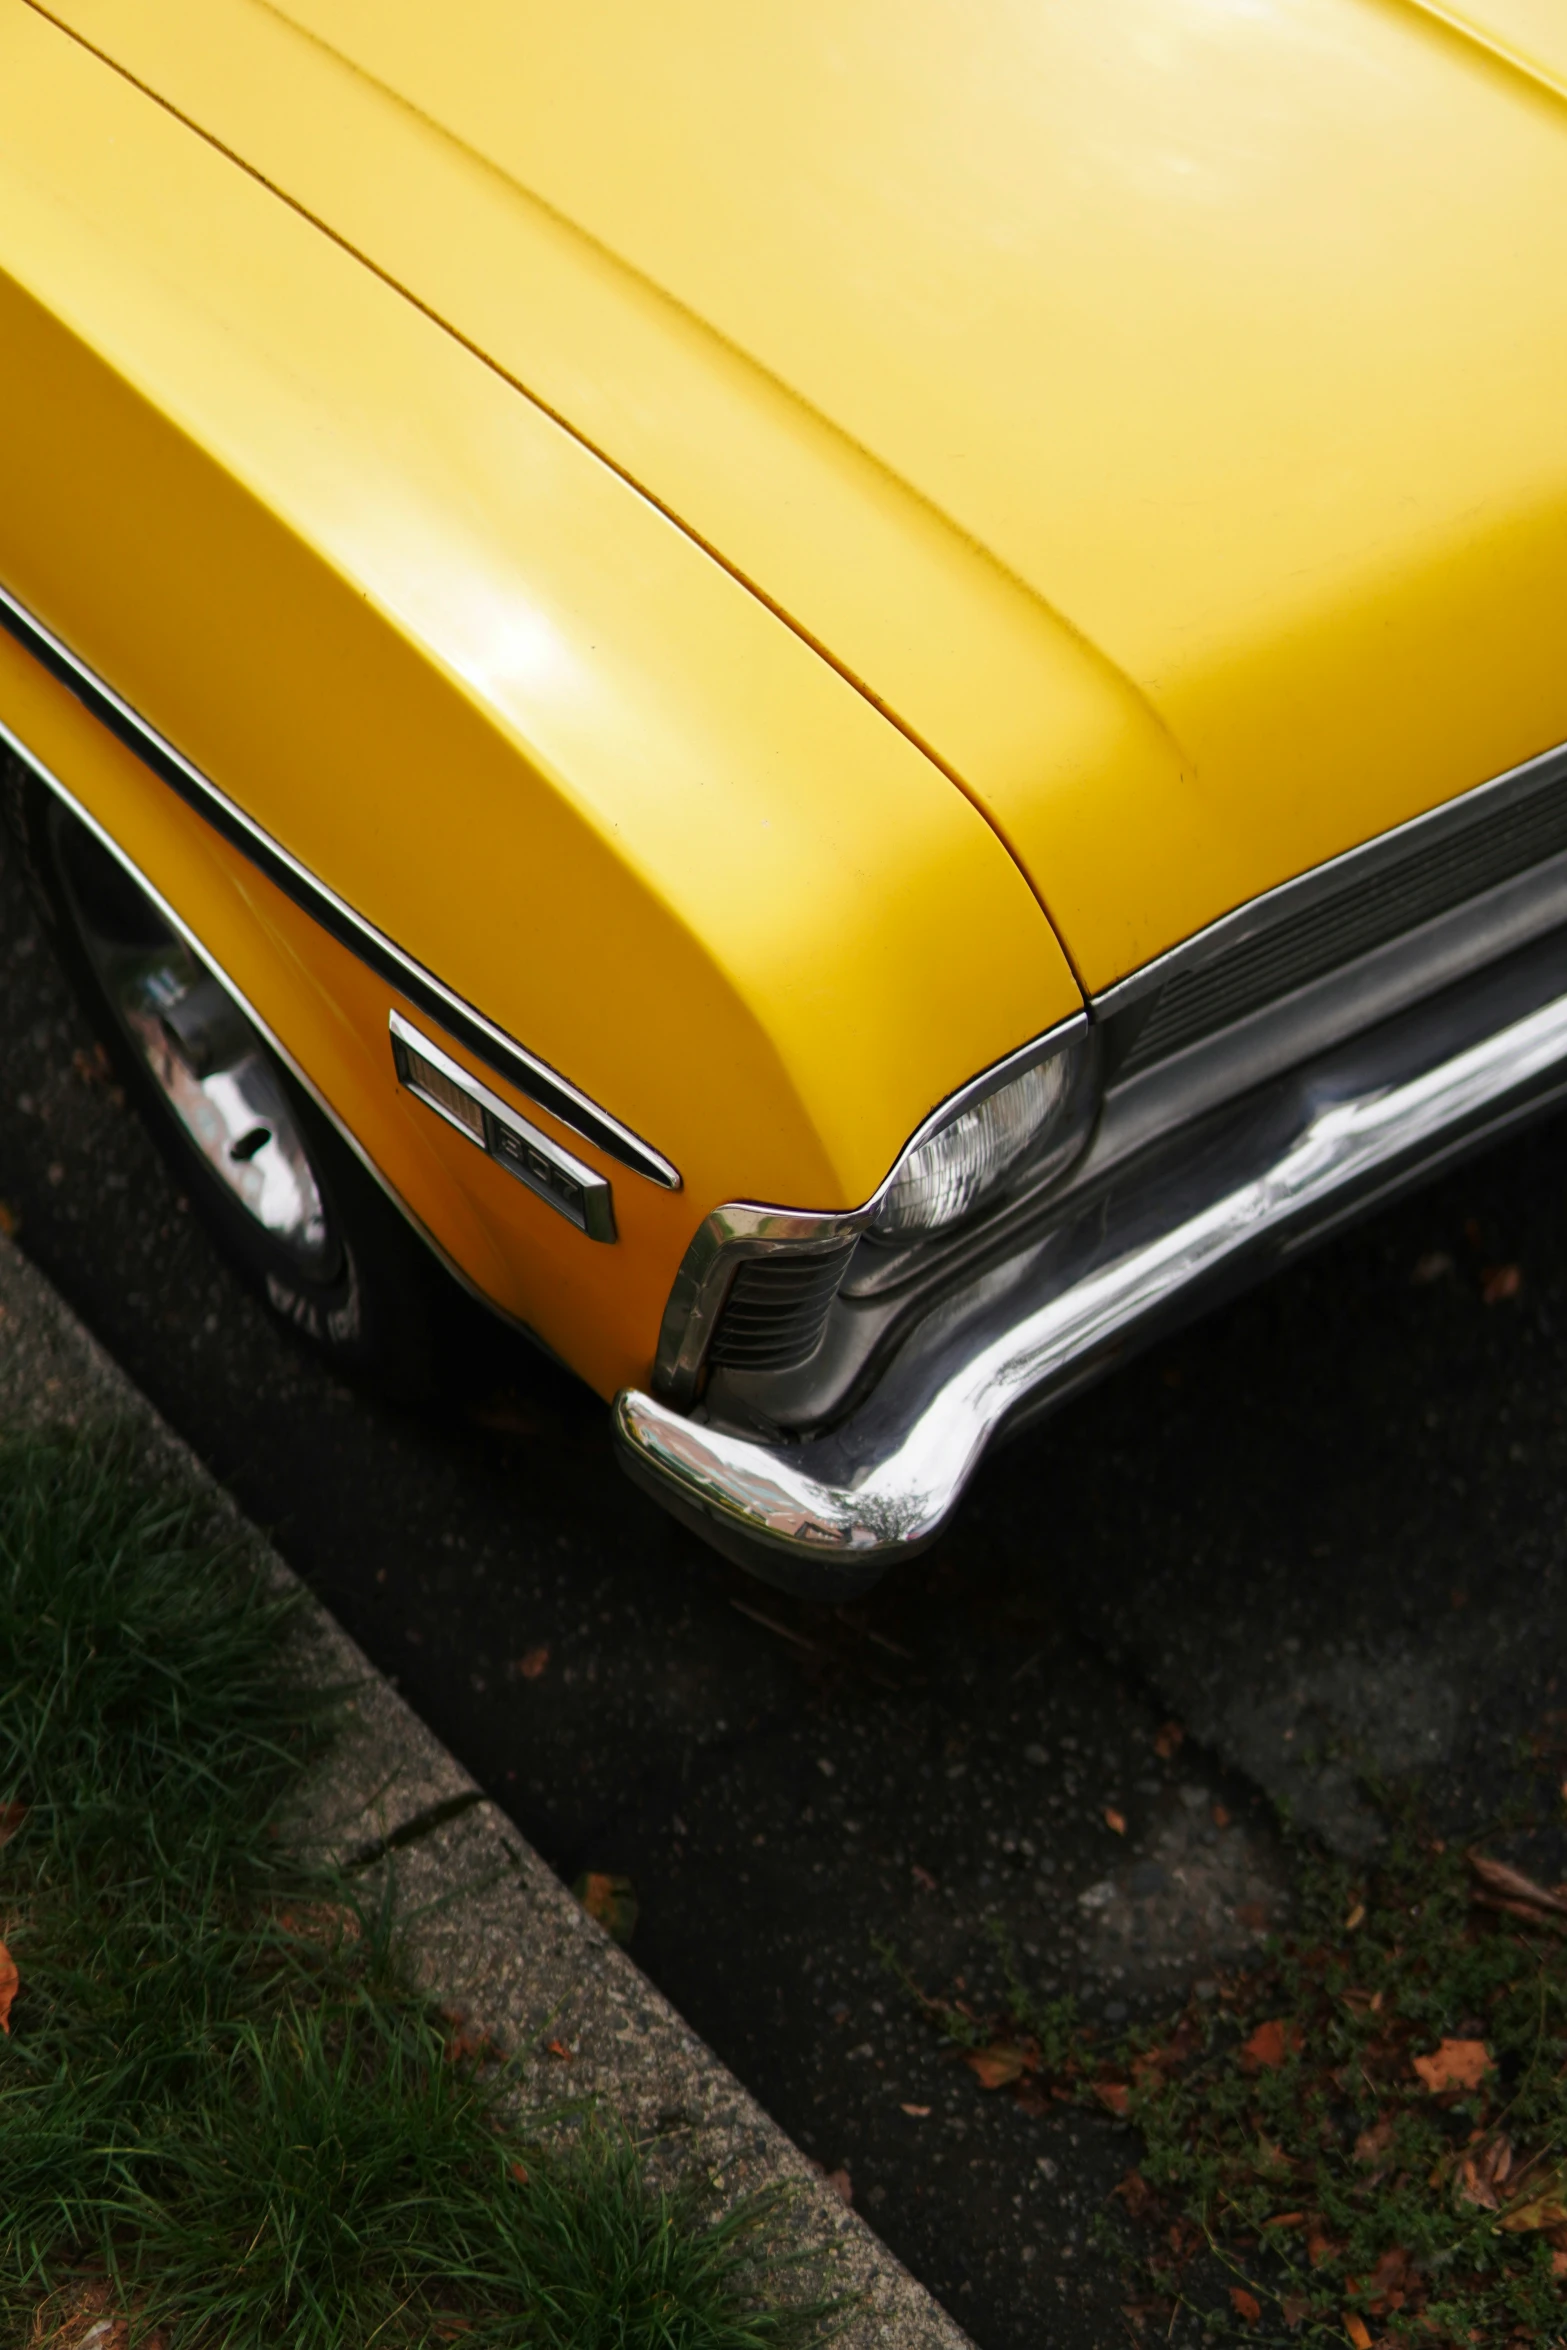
<point>849,698</point>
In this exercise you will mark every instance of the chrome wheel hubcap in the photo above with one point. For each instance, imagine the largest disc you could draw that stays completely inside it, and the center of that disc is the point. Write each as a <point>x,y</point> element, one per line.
<point>205,1057</point>
<point>216,1076</point>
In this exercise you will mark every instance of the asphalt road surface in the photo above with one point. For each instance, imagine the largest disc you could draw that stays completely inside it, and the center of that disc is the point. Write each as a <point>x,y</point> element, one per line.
<point>1324,1531</point>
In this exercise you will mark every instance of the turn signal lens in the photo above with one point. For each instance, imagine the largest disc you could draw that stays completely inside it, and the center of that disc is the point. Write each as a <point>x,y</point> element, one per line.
<point>951,1173</point>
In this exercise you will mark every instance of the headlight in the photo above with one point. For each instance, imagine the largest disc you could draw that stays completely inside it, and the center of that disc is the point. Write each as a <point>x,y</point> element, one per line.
<point>1032,1122</point>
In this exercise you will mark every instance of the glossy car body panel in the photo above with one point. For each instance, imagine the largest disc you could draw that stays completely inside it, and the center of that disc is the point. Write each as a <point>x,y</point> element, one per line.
<point>1227,1197</point>
<point>1229,333</point>
<point>961,655</point>
<point>776,551</point>
<point>1530,33</point>
<point>480,686</point>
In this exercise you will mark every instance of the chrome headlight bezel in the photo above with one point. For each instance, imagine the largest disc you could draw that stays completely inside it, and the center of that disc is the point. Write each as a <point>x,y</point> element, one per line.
<point>744,1229</point>
<point>1013,1130</point>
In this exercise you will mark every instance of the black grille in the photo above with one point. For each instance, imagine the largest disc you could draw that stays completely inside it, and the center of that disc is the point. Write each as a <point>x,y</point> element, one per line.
<point>1324,936</point>
<point>777,1309</point>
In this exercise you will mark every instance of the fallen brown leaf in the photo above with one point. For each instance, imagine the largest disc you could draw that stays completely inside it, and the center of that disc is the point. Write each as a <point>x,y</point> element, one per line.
<point>995,2066</point>
<point>10,1984</point>
<point>1246,2305</point>
<point>923,1878</point>
<point>1115,2095</point>
<point>320,1921</point>
<point>532,1664</point>
<point>1392,2270</point>
<point>1358,2330</point>
<point>1221,1815</point>
<point>12,1816</point>
<point>1286,2219</point>
<point>1498,1283</point>
<point>841,2184</point>
<point>1543,2206</point>
<point>1135,2192</point>
<point>1139,2313</point>
<point>1184,2238</point>
<point>1115,1821</point>
<point>10,1221</point>
<point>466,2042</point>
<point>1269,2045</point>
<point>558,2049</point>
<point>1454,2064</point>
<point>1372,2144</point>
<point>611,1901</point>
<point>1481,2175</point>
<point>1512,1885</point>
<point>79,2322</point>
<point>1168,1741</point>
<point>916,2112</point>
<point>1294,2309</point>
<point>1540,1919</point>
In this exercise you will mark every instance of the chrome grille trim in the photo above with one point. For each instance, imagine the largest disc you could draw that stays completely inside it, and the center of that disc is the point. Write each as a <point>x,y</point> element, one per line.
<point>743,1229</point>
<point>776,1310</point>
<point>1377,892</point>
<point>1382,905</point>
<point>1458,852</point>
<point>1212,1209</point>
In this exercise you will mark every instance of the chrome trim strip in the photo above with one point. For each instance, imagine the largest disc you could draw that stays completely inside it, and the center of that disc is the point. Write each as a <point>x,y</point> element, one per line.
<point>881,1486</point>
<point>577,1192</point>
<point>1293,897</point>
<point>1321,1013</point>
<point>531,1076</point>
<point>182,929</point>
<point>742,1228</point>
<point>1065,1033</point>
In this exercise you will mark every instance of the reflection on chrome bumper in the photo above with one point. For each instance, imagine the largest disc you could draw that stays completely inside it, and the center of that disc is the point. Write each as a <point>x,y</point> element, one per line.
<point>1198,1217</point>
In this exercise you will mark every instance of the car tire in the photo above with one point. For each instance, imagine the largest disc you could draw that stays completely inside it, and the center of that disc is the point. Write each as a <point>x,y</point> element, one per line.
<point>284,1196</point>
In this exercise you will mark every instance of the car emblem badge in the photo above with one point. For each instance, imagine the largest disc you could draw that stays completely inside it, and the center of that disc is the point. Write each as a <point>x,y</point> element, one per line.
<point>573,1190</point>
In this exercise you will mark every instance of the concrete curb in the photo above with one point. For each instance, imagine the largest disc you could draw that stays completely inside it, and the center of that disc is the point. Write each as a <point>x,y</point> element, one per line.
<point>490,1929</point>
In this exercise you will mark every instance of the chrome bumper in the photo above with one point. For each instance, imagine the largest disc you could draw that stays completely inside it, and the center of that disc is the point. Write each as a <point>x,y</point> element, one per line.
<point>1188,1221</point>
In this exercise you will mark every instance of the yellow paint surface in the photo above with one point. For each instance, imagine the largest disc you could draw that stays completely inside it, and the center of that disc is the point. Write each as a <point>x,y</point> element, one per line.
<point>1533,32</point>
<point>1226,334</point>
<point>475,681</point>
<point>528,456</point>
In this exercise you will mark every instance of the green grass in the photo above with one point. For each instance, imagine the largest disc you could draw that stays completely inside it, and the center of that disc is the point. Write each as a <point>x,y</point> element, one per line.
<point>1335,2184</point>
<point>224,2113</point>
<point>1300,2181</point>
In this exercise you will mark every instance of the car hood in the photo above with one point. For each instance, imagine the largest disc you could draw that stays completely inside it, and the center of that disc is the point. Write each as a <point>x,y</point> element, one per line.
<point>1155,406</point>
